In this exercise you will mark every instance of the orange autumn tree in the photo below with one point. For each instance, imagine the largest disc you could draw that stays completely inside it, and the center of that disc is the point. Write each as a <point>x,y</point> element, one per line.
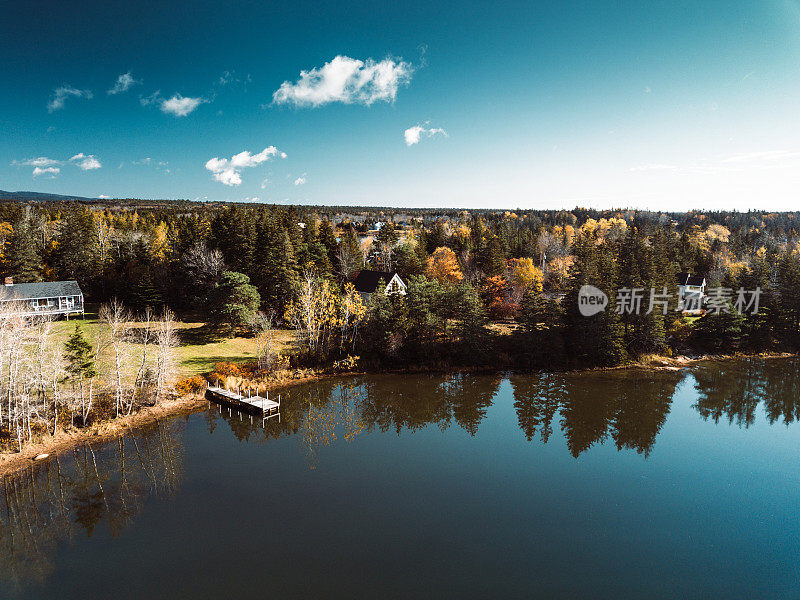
<point>495,297</point>
<point>443,266</point>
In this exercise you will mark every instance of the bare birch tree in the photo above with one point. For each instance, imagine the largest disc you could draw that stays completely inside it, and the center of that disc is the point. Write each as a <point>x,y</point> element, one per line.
<point>118,319</point>
<point>166,341</point>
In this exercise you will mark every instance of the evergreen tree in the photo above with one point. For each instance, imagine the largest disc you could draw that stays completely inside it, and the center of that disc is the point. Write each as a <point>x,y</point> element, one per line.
<point>144,292</point>
<point>276,268</point>
<point>491,259</point>
<point>75,255</point>
<point>23,262</point>
<point>643,328</point>
<point>233,233</point>
<point>597,339</point>
<point>326,237</point>
<point>471,323</point>
<point>407,261</point>
<point>78,355</point>
<point>788,309</point>
<point>234,301</point>
<point>720,332</point>
<point>543,342</point>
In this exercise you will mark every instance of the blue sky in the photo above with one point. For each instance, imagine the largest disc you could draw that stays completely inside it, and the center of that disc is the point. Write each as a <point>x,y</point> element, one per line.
<point>665,105</point>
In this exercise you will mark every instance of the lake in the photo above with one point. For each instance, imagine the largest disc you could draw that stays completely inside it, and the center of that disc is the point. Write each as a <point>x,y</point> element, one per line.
<point>597,485</point>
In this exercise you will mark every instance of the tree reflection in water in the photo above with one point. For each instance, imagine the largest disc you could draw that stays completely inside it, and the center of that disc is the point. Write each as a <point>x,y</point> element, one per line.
<point>74,493</point>
<point>78,493</point>
<point>734,389</point>
<point>324,411</point>
<point>630,407</point>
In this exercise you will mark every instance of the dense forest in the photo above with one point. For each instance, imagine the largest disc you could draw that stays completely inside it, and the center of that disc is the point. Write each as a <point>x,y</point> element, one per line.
<point>485,288</point>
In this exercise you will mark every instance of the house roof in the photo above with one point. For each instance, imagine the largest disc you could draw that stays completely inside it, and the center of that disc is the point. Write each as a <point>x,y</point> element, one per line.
<point>40,289</point>
<point>689,279</point>
<point>367,281</point>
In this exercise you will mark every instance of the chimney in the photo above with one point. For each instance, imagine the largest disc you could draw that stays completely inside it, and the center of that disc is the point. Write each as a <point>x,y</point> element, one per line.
<point>9,281</point>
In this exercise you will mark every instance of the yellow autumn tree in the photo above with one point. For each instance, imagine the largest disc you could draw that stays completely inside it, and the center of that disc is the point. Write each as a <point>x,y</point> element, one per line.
<point>443,266</point>
<point>313,312</point>
<point>525,276</point>
<point>351,312</point>
<point>159,244</point>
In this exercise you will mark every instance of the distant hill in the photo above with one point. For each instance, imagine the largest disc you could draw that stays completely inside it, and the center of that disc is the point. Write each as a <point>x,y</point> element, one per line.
<point>39,196</point>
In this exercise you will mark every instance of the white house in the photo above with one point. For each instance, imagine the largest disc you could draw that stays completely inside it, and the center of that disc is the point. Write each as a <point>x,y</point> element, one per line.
<point>368,281</point>
<point>691,291</point>
<point>42,297</point>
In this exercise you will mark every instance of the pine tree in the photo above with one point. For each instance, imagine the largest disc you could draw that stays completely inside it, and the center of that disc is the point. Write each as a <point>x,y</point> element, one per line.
<point>233,233</point>
<point>22,258</point>
<point>81,365</point>
<point>276,267</point>
<point>407,261</point>
<point>471,327</point>
<point>597,340</point>
<point>491,259</point>
<point>328,239</point>
<point>78,355</point>
<point>144,292</point>
<point>75,255</point>
<point>234,302</point>
<point>543,323</point>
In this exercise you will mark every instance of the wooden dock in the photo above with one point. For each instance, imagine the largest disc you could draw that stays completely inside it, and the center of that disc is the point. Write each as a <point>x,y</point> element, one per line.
<point>253,405</point>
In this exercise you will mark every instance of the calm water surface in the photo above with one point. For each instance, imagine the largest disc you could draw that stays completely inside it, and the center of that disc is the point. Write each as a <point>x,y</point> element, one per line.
<point>614,485</point>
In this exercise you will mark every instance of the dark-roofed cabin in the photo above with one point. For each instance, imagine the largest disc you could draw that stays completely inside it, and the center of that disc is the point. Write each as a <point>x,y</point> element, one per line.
<point>691,290</point>
<point>42,298</point>
<point>368,281</point>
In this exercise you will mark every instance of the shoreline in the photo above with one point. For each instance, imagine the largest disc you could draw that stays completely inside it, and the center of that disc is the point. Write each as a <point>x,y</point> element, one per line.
<point>64,441</point>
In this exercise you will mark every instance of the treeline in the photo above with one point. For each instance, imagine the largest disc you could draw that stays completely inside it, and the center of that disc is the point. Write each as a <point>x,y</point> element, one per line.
<point>465,269</point>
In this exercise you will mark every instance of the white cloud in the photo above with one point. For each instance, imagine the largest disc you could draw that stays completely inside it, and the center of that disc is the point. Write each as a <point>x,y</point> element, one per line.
<point>86,162</point>
<point>61,94</point>
<point>300,180</point>
<point>151,99</point>
<point>42,161</point>
<point>52,171</point>
<point>228,171</point>
<point>346,80</point>
<point>180,106</point>
<point>42,165</point>
<point>123,84</point>
<point>265,183</point>
<point>103,197</point>
<point>415,133</point>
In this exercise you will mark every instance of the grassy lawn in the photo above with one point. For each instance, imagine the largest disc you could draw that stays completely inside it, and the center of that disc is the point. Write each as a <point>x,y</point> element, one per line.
<point>200,348</point>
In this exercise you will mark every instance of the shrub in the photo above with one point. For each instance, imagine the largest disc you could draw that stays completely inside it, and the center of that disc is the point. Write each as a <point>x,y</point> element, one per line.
<point>190,385</point>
